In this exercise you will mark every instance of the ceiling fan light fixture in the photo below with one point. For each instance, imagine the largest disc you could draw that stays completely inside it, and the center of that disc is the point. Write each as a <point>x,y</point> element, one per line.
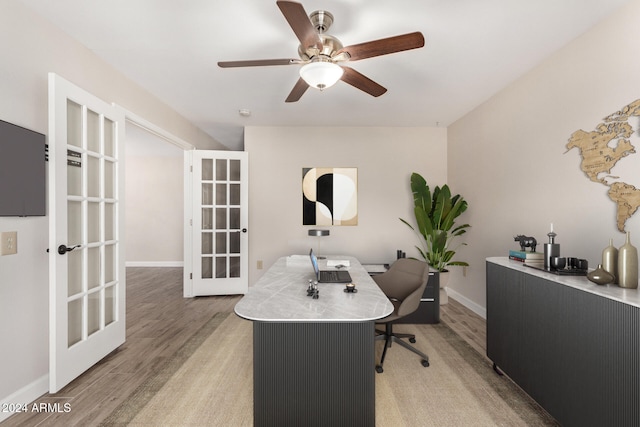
<point>321,74</point>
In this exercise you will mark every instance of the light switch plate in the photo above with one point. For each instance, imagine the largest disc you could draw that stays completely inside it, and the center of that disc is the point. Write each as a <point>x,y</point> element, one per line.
<point>8,243</point>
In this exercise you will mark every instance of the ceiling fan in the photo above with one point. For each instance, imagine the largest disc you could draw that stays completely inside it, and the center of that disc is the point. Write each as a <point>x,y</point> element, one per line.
<point>321,54</point>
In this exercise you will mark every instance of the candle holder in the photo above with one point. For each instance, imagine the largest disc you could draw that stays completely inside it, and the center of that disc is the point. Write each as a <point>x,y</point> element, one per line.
<point>551,249</point>
<point>351,288</point>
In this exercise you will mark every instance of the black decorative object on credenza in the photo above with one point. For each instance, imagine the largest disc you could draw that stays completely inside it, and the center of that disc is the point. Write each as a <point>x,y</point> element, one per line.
<point>526,242</point>
<point>551,249</point>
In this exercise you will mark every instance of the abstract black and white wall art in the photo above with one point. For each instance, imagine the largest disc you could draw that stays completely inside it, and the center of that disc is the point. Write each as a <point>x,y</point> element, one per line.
<point>329,196</point>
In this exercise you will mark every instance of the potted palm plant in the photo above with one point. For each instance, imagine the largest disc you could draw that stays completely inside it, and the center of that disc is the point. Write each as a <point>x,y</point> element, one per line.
<point>435,215</point>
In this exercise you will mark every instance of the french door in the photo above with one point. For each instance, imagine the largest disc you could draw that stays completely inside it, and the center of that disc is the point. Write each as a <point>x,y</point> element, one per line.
<point>216,244</point>
<point>86,230</point>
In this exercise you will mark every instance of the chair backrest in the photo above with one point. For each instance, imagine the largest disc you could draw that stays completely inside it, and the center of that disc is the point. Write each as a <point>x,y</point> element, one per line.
<point>405,282</point>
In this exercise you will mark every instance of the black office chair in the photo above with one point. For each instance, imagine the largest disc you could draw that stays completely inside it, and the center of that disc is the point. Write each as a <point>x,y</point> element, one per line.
<point>403,284</point>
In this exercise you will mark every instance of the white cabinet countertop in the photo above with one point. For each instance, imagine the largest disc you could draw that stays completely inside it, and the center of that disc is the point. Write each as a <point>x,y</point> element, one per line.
<point>613,292</point>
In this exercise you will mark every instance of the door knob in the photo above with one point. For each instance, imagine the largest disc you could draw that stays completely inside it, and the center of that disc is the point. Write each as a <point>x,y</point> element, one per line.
<point>63,249</point>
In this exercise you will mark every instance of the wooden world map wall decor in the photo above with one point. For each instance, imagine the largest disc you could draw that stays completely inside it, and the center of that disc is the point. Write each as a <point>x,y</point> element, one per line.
<point>602,149</point>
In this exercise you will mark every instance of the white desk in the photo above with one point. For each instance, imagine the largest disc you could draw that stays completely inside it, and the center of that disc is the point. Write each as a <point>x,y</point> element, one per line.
<point>280,295</point>
<point>313,359</point>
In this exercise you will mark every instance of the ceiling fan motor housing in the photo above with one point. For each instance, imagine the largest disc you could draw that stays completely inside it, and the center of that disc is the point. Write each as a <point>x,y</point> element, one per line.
<point>330,45</point>
<point>321,20</point>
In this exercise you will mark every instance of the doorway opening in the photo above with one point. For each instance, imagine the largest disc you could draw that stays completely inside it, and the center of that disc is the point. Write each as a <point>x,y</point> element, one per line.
<point>154,191</point>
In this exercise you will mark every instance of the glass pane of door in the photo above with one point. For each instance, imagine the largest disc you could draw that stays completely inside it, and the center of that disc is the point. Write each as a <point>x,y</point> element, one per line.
<point>74,330</point>
<point>109,305</point>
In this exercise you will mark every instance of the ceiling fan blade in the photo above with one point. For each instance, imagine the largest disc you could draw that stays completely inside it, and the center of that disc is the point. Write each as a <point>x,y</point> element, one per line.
<point>298,90</point>
<point>257,63</point>
<point>384,46</point>
<point>300,24</point>
<point>362,82</point>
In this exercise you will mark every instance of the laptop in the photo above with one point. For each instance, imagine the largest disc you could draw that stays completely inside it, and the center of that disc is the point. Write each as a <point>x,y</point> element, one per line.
<point>328,276</point>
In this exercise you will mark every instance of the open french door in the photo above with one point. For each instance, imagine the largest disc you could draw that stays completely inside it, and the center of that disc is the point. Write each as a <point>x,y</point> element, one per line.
<point>86,231</point>
<point>216,208</point>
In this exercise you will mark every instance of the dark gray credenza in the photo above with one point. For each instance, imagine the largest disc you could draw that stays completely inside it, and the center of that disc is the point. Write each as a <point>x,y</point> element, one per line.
<point>572,346</point>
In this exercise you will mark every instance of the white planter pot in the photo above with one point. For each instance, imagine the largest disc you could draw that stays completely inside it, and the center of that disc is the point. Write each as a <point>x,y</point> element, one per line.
<point>444,281</point>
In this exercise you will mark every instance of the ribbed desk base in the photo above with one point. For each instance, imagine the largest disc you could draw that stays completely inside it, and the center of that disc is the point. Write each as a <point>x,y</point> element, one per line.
<point>313,374</point>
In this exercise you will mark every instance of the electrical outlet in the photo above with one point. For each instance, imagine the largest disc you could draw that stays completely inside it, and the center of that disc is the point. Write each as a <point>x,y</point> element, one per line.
<point>9,243</point>
<point>259,267</point>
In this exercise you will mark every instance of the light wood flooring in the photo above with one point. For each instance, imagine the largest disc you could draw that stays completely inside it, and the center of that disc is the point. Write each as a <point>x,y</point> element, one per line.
<point>160,321</point>
<point>470,326</point>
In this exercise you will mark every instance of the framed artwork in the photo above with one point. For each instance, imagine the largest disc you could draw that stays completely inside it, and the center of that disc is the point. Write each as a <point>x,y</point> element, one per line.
<point>330,196</point>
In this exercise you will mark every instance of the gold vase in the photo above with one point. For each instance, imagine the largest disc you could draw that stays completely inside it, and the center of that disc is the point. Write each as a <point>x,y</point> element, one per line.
<point>610,260</point>
<point>600,276</point>
<point>628,265</point>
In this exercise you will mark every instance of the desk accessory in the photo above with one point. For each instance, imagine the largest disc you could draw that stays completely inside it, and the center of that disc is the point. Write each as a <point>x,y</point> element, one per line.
<point>552,248</point>
<point>328,276</point>
<point>582,264</point>
<point>600,276</point>
<point>610,260</point>
<point>312,290</point>
<point>526,242</point>
<point>338,263</point>
<point>319,234</point>
<point>566,270</point>
<point>557,262</point>
<point>351,288</point>
<point>628,265</point>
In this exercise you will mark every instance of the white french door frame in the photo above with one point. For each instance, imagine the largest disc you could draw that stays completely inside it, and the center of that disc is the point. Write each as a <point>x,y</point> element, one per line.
<point>86,211</point>
<point>187,280</point>
<point>195,282</point>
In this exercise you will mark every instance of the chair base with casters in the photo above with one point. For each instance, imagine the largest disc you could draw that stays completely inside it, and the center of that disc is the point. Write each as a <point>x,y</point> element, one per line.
<point>404,283</point>
<point>390,337</point>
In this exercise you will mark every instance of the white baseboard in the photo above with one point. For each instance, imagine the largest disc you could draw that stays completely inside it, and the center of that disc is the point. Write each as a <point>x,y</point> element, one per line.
<point>476,308</point>
<point>154,264</point>
<point>25,395</point>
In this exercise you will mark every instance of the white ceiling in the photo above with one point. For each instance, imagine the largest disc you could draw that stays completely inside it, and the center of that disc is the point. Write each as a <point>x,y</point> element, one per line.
<point>473,49</point>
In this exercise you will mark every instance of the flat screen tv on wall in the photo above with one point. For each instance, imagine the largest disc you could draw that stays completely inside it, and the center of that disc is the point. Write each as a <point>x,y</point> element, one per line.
<point>22,171</point>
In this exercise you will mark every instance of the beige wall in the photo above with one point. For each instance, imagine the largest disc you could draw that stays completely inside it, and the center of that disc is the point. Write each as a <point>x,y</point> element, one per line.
<point>154,224</point>
<point>507,157</point>
<point>31,47</point>
<point>385,158</point>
